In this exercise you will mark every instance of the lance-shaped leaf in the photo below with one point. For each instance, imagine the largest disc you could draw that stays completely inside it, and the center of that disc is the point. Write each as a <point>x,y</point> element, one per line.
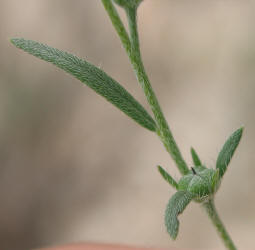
<point>167,177</point>
<point>228,150</point>
<point>195,157</point>
<point>92,76</point>
<point>175,206</point>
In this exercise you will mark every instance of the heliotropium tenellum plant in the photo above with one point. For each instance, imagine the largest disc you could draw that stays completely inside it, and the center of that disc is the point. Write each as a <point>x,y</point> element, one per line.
<point>198,183</point>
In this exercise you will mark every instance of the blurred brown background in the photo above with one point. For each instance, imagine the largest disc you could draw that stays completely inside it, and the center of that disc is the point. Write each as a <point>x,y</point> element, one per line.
<point>74,168</point>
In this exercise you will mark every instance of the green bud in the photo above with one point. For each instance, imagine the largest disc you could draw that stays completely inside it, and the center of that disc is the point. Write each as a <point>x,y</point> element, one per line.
<point>201,182</point>
<point>128,3</point>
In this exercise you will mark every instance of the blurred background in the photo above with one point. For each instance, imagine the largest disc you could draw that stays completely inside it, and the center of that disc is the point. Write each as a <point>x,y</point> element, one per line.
<point>74,168</point>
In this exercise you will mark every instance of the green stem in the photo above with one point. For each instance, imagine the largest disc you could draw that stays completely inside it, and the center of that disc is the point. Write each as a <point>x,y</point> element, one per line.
<point>132,47</point>
<point>134,54</point>
<point>118,25</point>
<point>212,213</point>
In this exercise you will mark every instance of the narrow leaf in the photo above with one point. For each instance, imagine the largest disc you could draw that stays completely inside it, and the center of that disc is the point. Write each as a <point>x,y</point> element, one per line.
<point>167,177</point>
<point>228,150</point>
<point>92,76</point>
<point>195,157</point>
<point>176,206</point>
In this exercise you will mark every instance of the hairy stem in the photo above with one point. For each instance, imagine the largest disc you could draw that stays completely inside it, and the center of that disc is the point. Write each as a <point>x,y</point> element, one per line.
<point>118,25</point>
<point>163,128</point>
<point>134,54</point>
<point>212,213</point>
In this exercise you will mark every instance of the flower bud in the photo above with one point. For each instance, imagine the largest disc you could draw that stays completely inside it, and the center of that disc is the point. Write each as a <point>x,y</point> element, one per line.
<point>201,182</point>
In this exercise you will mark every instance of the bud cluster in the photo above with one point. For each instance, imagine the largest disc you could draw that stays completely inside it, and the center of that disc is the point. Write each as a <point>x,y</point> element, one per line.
<point>201,182</point>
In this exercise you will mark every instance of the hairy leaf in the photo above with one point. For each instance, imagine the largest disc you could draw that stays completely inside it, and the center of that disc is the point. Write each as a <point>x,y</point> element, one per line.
<point>175,206</point>
<point>167,177</point>
<point>195,157</point>
<point>228,150</point>
<point>92,76</point>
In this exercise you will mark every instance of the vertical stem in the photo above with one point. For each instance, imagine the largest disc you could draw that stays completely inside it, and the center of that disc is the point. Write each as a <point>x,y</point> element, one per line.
<point>133,50</point>
<point>212,213</point>
<point>163,129</point>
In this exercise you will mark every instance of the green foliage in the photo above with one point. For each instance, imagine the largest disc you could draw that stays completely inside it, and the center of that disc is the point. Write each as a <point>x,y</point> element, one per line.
<point>228,151</point>
<point>175,206</point>
<point>199,183</point>
<point>167,177</point>
<point>92,76</point>
<point>195,157</point>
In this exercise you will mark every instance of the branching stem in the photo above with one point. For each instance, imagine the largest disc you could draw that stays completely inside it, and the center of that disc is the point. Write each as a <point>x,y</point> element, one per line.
<point>131,44</point>
<point>133,50</point>
<point>118,25</point>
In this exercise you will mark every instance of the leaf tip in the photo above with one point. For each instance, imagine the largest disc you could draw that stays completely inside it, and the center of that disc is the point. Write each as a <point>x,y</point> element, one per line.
<point>159,167</point>
<point>239,133</point>
<point>195,157</point>
<point>12,40</point>
<point>241,129</point>
<point>15,41</point>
